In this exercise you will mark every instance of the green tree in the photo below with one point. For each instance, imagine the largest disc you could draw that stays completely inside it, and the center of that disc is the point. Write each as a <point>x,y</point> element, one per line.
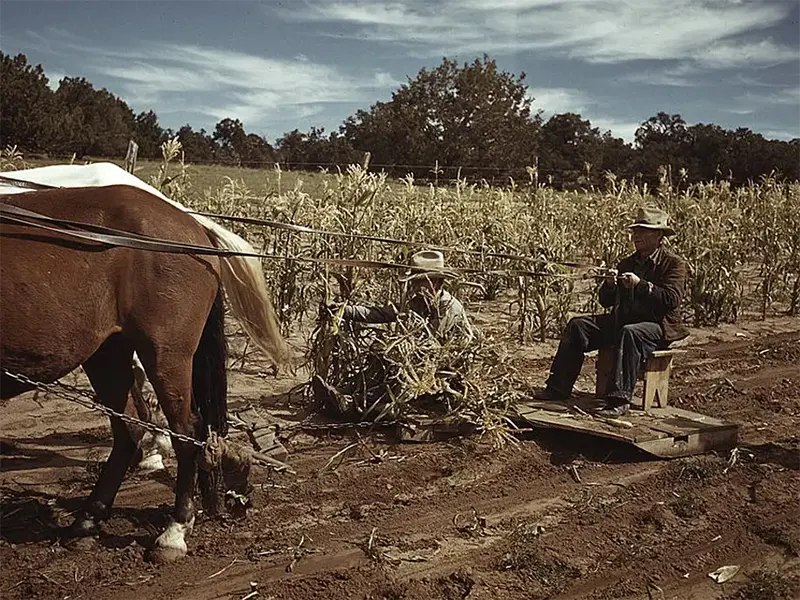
<point>570,150</point>
<point>197,145</point>
<point>27,116</point>
<point>149,135</point>
<point>662,140</point>
<point>471,115</point>
<point>92,122</point>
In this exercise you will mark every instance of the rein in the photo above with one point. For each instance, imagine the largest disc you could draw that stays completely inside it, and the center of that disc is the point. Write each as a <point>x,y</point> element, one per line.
<point>115,238</point>
<point>22,183</point>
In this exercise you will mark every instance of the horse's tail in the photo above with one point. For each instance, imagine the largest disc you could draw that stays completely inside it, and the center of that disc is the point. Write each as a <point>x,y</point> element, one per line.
<point>210,392</point>
<point>246,288</point>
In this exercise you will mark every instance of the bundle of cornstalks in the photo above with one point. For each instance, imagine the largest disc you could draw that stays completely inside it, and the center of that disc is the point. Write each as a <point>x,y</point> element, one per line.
<point>386,373</point>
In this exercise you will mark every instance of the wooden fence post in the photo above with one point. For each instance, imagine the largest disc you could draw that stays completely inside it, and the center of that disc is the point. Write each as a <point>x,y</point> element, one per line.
<point>130,157</point>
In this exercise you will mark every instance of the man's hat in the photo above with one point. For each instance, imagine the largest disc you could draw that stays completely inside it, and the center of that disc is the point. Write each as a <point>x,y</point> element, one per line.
<point>428,264</point>
<point>652,218</point>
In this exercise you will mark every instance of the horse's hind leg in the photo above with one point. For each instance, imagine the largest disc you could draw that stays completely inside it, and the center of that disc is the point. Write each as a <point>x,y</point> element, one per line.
<point>109,371</point>
<point>170,373</point>
<point>152,445</point>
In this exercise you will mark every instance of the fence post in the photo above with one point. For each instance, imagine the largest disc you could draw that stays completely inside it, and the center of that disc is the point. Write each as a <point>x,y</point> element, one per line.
<point>130,157</point>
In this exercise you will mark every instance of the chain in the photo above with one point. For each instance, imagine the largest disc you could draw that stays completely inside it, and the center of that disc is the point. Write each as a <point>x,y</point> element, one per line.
<point>89,401</point>
<point>73,394</point>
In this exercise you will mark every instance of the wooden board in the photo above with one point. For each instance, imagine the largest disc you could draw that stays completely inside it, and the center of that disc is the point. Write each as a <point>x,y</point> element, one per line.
<point>665,432</point>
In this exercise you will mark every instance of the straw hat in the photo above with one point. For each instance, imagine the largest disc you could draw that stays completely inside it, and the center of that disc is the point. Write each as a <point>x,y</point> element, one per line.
<point>427,264</point>
<point>652,218</point>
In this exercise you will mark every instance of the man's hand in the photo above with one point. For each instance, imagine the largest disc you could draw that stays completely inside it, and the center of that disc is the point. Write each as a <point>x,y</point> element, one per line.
<point>629,280</point>
<point>611,276</point>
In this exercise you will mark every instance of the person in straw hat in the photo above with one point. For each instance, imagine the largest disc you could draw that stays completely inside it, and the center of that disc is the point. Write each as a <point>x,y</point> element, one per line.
<point>428,306</point>
<point>427,298</point>
<point>645,293</point>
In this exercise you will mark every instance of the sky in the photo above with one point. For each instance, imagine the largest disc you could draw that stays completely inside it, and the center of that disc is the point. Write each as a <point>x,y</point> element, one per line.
<point>293,64</point>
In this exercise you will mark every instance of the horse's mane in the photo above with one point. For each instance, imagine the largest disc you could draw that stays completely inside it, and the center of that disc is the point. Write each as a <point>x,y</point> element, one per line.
<point>242,277</point>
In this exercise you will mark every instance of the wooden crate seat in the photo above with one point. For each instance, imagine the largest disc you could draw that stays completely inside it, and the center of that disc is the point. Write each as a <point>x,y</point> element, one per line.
<point>655,374</point>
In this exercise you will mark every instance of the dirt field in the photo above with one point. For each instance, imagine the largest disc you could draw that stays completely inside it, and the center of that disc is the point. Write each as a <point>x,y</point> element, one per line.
<point>450,520</point>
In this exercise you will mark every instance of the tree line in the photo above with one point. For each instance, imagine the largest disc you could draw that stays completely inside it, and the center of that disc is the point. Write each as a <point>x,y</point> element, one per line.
<point>474,117</point>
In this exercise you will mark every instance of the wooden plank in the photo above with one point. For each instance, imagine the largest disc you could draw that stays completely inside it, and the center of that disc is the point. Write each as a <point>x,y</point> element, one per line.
<point>668,352</point>
<point>665,432</point>
<point>580,423</point>
<point>696,443</point>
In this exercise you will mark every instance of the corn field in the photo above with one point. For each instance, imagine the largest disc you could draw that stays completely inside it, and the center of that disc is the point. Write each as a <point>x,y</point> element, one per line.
<point>739,243</point>
<point>742,246</point>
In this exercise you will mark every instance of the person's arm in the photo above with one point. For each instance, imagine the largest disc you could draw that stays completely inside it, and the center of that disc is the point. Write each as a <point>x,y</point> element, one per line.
<point>668,293</point>
<point>370,314</point>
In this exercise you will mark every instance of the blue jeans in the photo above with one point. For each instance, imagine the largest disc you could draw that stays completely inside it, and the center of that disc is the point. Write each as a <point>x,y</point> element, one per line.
<point>633,345</point>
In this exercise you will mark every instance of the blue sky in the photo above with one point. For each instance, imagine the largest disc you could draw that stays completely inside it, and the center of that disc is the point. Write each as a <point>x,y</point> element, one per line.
<point>285,64</point>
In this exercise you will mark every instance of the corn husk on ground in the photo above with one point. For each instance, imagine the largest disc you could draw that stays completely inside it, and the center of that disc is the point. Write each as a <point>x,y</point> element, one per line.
<point>385,373</point>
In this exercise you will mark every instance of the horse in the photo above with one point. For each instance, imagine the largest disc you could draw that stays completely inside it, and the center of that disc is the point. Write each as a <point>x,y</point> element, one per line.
<point>67,302</point>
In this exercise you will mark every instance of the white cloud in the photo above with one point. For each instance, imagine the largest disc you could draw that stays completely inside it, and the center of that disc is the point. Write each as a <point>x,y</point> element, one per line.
<point>759,54</point>
<point>678,76</point>
<point>598,31</point>
<point>558,100</point>
<point>54,78</point>
<point>254,89</point>
<point>619,128</point>
<point>563,100</point>
<point>789,96</point>
<point>780,134</point>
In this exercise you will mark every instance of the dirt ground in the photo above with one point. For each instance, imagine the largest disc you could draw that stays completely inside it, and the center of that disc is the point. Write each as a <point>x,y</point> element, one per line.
<point>452,519</point>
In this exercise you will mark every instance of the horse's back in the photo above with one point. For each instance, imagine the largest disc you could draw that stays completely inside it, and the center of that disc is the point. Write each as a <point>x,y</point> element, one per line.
<point>61,298</point>
<point>117,206</point>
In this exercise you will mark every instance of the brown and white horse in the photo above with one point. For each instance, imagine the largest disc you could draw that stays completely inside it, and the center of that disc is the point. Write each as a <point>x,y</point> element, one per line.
<point>66,302</point>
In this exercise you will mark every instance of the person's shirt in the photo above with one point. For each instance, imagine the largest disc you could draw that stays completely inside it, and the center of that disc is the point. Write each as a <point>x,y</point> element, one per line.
<point>444,313</point>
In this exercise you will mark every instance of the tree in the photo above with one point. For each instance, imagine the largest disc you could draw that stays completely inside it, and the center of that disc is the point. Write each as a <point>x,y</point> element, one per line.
<point>474,115</point>
<point>92,122</point>
<point>197,145</point>
<point>314,150</point>
<point>231,141</point>
<point>27,115</point>
<point>570,150</point>
<point>148,134</point>
<point>662,140</point>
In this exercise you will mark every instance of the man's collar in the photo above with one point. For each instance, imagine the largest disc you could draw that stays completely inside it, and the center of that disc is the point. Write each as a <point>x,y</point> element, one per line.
<point>653,256</point>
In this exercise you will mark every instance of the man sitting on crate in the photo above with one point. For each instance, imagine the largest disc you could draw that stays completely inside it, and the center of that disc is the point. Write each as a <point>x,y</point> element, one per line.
<point>645,293</point>
<point>428,309</point>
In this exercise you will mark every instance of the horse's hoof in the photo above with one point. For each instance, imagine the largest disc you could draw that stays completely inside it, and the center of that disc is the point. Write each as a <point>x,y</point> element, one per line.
<point>80,528</point>
<point>153,462</point>
<point>171,545</point>
<point>161,555</point>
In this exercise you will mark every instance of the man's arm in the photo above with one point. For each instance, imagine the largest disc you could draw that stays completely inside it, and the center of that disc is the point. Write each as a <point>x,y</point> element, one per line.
<point>370,314</point>
<point>668,293</point>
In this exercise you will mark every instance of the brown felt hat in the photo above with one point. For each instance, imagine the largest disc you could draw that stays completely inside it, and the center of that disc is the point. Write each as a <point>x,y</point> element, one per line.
<point>652,218</point>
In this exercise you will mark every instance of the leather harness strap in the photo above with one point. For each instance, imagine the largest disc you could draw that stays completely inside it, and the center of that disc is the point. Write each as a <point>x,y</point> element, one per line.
<point>21,183</point>
<point>116,238</point>
<point>125,239</point>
